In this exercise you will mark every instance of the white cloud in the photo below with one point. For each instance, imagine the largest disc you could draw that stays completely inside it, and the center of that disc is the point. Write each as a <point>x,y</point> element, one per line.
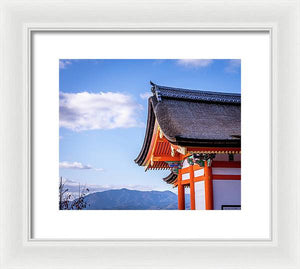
<point>93,111</point>
<point>195,62</point>
<point>233,66</point>
<point>99,169</point>
<point>77,165</point>
<point>145,95</point>
<point>63,64</point>
<point>74,165</point>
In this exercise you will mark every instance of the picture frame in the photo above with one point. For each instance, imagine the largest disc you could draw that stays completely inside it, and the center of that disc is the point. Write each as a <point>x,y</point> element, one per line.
<point>20,19</point>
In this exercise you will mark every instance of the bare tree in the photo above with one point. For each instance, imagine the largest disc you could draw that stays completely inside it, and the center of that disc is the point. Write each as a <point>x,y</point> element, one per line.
<point>80,202</point>
<point>64,196</point>
<point>67,202</point>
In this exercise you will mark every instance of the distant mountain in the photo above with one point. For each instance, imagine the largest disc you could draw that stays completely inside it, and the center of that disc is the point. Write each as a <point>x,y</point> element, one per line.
<point>124,199</point>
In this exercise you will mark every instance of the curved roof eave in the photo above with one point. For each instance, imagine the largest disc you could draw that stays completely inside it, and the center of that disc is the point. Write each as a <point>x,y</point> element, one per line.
<point>148,134</point>
<point>171,178</point>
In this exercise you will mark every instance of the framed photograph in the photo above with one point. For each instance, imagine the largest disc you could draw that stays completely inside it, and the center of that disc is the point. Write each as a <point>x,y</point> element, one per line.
<point>204,169</point>
<point>123,138</point>
<point>136,149</point>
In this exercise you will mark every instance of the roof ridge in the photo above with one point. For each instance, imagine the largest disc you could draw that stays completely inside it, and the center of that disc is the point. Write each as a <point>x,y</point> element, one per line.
<point>180,93</point>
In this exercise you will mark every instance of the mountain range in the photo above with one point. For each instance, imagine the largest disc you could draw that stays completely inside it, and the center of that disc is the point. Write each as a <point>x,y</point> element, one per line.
<point>124,199</point>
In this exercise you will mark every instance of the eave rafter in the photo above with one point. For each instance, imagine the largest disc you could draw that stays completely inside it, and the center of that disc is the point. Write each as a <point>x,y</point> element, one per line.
<point>160,151</point>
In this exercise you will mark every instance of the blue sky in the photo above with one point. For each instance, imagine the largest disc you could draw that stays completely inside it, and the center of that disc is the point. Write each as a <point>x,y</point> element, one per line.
<point>103,114</point>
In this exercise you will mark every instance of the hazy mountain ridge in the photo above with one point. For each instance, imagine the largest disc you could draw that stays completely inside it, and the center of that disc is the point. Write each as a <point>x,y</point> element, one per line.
<point>124,199</point>
<point>74,186</point>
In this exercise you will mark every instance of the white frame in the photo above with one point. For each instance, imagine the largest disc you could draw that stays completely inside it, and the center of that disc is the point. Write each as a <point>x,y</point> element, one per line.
<point>20,18</point>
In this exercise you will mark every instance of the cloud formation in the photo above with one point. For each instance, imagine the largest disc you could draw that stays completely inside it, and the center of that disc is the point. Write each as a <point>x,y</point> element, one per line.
<point>77,165</point>
<point>233,66</point>
<point>146,95</point>
<point>93,111</point>
<point>63,64</point>
<point>74,165</point>
<point>195,63</point>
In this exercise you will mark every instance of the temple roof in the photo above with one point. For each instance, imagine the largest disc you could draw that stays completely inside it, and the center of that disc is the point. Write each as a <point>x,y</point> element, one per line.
<point>193,118</point>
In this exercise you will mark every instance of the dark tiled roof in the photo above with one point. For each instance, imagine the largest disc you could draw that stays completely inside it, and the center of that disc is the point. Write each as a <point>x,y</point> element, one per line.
<point>193,118</point>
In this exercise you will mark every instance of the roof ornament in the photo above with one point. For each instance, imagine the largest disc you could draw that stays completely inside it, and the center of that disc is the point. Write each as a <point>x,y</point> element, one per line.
<point>153,87</point>
<point>155,90</point>
<point>175,166</point>
<point>158,96</point>
<point>181,150</point>
<point>201,159</point>
<point>172,151</point>
<point>161,134</point>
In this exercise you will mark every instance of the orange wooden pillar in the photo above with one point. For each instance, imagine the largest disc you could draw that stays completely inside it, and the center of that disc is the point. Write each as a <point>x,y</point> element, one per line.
<point>192,187</point>
<point>208,186</point>
<point>181,198</point>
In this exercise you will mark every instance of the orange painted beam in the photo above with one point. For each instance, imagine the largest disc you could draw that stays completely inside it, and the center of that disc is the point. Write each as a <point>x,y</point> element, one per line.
<point>226,177</point>
<point>226,164</point>
<point>197,167</point>
<point>214,164</point>
<point>185,170</point>
<point>165,158</point>
<point>185,182</point>
<point>192,188</point>
<point>201,178</point>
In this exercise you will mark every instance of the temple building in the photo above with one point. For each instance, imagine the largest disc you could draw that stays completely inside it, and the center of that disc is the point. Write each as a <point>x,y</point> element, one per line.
<point>197,136</point>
